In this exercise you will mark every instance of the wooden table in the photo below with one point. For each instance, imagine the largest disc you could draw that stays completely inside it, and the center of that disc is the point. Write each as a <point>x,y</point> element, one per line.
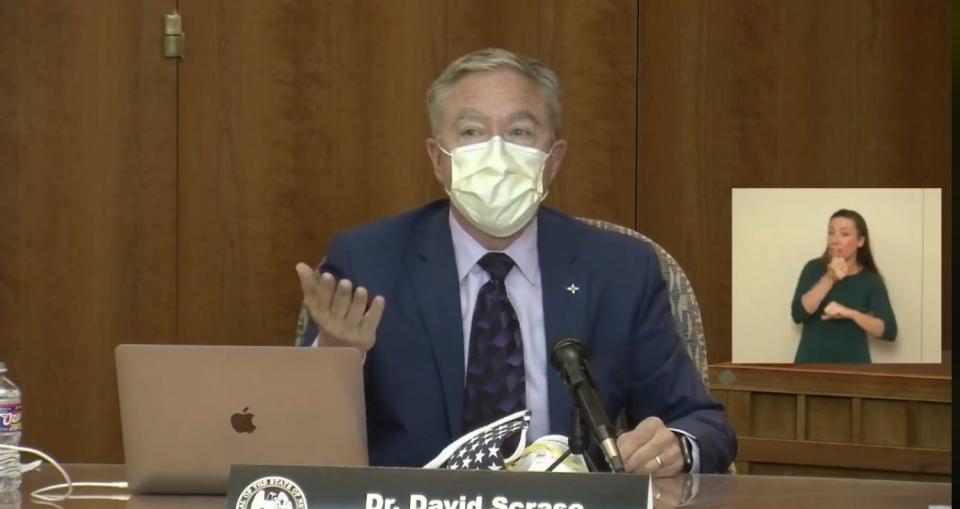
<point>740,491</point>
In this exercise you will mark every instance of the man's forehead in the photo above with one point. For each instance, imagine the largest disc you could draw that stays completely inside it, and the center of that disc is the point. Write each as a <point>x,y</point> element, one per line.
<point>475,114</point>
<point>494,79</point>
<point>483,90</point>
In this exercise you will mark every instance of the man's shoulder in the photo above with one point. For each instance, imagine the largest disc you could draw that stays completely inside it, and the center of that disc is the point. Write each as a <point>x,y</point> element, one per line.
<point>600,244</point>
<point>396,230</point>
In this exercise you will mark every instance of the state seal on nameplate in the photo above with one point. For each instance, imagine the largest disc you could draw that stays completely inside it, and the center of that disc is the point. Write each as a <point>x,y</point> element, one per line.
<point>272,493</point>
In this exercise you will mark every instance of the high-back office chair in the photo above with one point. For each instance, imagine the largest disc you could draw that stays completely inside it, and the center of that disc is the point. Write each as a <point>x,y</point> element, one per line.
<point>303,320</point>
<point>683,303</point>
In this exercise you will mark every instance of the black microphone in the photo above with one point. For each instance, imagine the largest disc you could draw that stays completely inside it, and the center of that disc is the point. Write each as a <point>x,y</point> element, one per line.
<point>569,357</point>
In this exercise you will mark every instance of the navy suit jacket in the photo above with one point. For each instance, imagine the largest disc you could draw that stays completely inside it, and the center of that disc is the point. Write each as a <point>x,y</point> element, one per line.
<point>414,374</point>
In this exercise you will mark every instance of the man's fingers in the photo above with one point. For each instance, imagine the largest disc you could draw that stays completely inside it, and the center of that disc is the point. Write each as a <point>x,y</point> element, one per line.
<point>338,308</point>
<point>663,446</point>
<point>635,446</point>
<point>308,281</point>
<point>357,306</point>
<point>634,439</point>
<point>342,297</point>
<point>671,461</point>
<point>368,327</point>
<point>670,464</point>
<point>641,460</point>
<point>325,289</point>
<point>317,291</point>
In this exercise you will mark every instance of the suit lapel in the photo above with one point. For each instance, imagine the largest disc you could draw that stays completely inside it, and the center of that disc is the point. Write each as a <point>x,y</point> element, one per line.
<point>565,290</point>
<point>433,270</point>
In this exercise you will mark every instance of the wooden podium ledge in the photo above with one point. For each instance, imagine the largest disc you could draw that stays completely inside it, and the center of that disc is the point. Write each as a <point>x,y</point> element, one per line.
<point>884,421</point>
<point>916,382</point>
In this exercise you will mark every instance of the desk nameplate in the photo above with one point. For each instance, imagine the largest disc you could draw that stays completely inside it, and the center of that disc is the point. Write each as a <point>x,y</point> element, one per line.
<point>253,487</point>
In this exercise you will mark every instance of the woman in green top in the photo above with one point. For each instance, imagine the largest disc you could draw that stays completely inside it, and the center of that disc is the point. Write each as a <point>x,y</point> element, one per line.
<point>840,297</point>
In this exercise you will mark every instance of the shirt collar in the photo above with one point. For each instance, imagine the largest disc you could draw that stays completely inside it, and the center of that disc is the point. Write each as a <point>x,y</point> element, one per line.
<point>523,251</point>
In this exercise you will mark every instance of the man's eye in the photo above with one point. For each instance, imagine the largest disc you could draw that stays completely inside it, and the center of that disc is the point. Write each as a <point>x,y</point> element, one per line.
<point>519,133</point>
<point>470,132</point>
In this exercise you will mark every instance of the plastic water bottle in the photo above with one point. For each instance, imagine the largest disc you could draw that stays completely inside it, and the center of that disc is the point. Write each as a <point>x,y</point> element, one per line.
<point>10,431</point>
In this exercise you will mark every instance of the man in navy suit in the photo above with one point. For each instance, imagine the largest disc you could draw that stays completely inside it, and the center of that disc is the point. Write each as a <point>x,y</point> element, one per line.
<point>458,303</point>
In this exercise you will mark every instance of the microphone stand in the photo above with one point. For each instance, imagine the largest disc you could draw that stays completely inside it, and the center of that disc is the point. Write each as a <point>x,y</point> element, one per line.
<point>578,442</point>
<point>580,438</point>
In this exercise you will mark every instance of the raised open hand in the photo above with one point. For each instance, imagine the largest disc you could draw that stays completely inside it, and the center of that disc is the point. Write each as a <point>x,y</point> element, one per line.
<point>339,310</point>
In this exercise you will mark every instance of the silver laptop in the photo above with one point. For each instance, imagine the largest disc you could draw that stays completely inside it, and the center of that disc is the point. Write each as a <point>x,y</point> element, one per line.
<point>189,412</point>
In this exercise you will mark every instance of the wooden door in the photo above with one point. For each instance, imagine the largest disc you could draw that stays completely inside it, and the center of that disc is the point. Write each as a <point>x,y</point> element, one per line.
<point>88,211</point>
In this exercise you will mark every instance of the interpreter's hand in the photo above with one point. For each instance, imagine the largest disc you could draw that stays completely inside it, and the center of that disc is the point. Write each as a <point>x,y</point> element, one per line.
<point>834,311</point>
<point>340,311</point>
<point>837,269</point>
<point>641,447</point>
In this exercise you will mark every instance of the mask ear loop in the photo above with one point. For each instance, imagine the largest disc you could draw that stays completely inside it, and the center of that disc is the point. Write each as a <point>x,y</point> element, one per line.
<point>543,166</point>
<point>450,155</point>
<point>444,151</point>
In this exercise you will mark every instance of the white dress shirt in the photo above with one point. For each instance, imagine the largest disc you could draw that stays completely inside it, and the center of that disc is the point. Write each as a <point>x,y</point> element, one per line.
<point>526,297</point>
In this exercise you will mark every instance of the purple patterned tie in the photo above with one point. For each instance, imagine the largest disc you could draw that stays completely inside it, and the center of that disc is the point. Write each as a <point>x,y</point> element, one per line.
<point>495,384</point>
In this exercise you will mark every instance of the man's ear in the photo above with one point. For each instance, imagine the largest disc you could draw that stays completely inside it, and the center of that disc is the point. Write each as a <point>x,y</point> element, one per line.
<point>436,159</point>
<point>552,166</point>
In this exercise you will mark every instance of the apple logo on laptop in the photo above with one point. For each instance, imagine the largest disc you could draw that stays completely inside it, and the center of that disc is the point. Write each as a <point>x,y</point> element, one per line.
<point>243,422</point>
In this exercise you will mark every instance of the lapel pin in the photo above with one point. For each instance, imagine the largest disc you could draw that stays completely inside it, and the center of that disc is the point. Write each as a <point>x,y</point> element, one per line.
<point>573,289</point>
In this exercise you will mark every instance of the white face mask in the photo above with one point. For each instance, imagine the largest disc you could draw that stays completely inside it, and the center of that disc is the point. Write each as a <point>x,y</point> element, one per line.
<point>497,185</point>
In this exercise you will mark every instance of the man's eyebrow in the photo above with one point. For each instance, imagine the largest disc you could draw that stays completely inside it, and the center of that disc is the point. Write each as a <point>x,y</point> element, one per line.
<point>524,115</point>
<point>469,114</point>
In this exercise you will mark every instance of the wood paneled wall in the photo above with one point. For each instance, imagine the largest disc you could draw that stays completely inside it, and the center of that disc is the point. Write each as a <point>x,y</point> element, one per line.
<point>142,200</point>
<point>882,422</point>
<point>784,93</point>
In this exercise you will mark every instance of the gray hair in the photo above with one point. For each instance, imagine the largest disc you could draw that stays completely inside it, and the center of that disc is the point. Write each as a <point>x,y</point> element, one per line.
<point>492,59</point>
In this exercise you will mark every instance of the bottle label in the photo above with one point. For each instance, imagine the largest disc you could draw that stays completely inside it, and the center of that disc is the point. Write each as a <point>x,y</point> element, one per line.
<point>10,416</point>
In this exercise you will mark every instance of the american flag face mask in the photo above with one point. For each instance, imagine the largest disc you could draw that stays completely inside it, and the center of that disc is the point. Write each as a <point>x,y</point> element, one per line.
<point>482,448</point>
